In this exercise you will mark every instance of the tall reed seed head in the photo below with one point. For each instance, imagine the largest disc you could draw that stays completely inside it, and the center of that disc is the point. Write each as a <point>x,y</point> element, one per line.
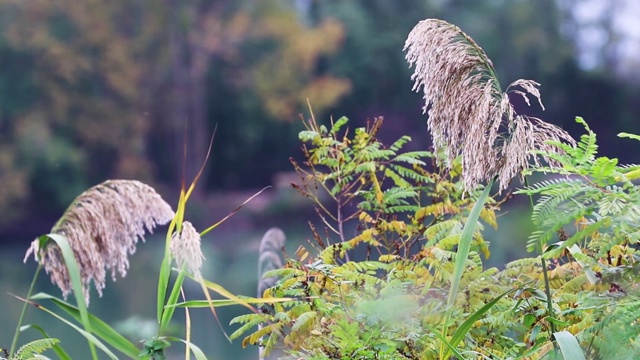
<point>270,257</point>
<point>102,226</point>
<point>468,114</point>
<point>186,250</point>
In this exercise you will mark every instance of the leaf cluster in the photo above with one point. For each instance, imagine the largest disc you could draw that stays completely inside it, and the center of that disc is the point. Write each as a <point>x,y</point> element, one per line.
<point>391,303</point>
<point>594,193</point>
<point>587,218</point>
<point>389,195</point>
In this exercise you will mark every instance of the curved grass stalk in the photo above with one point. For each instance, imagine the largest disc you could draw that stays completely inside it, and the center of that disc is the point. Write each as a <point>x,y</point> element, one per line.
<point>23,312</point>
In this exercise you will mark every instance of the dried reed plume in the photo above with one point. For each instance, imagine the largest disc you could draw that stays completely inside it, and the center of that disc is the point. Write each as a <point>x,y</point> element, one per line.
<point>469,115</point>
<point>270,257</point>
<point>271,248</point>
<point>186,250</point>
<point>102,226</point>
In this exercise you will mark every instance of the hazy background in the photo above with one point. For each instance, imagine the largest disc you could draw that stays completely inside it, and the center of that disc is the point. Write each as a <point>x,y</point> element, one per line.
<point>92,90</point>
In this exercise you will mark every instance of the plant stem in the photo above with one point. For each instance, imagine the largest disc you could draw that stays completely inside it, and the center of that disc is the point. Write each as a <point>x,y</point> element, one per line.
<point>545,275</point>
<point>16,335</point>
<point>547,289</point>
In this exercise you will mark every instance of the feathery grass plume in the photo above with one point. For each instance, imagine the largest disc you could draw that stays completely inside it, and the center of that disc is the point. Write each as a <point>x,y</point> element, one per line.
<point>469,115</point>
<point>186,250</point>
<point>269,258</point>
<point>103,225</point>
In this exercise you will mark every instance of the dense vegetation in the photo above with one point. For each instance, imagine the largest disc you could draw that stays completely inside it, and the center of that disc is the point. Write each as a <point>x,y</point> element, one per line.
<point>382,294</point>
<point>386,293</point>
<point>396,270</point>
<point>93,91</point>
<point>410,283</point>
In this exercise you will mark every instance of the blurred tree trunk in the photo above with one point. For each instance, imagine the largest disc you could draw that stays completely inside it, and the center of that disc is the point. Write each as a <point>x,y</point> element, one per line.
<point>186,106</point>
<point>197,34</point>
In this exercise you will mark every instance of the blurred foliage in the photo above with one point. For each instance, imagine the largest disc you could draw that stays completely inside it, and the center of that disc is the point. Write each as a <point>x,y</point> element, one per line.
<point>93,90</point>
<point>286,77</point>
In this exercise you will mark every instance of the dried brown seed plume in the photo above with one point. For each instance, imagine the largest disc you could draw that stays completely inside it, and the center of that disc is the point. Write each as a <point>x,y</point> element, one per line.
<point>469,115</point>
<point>102,226</point>
<point>186,250</point>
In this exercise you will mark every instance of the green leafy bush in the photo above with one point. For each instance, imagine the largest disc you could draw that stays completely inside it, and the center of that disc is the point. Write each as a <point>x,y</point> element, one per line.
<point>382,293</point>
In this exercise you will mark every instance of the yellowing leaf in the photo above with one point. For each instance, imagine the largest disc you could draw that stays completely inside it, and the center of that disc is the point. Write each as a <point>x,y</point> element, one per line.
<point>387,258</point>
<point>398,226</point>
<point>364,217</point>
<point>437,209</point>
<point>302,253</point>
<point>366,236</point>
<point>489,216</point>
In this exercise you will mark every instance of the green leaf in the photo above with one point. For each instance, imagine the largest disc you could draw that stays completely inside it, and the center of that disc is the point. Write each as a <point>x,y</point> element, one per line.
<point>163,284</point>
<point>227,302</point>
<point>76,282</point>
<point>338,124</point>
<point>468,324</point>
<point>628,135</point>
<point>529,320</point>
<point>465,243</point>
<point>569,346</point>
<point>304,321</point>
<point>452,349</point>
<point>169,307</point>
<point>93,341</point>
<point>196,350</point>
<point>62,355</point>
<point>99,327</point>
<point>603,169</point>
<point>165,266</point>
<point>33,348</point>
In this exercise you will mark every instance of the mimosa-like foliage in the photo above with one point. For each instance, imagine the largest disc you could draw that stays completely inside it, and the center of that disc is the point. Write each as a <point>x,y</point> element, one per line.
<point>409,223</point>
<point>406,284</point>
<point>381,293</point>
<point>594,191</point>
<point>592,212</point>
<point>33,349</point>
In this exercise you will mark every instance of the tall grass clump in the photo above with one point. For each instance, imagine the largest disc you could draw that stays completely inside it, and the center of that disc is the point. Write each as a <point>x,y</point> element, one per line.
<point>469,116</point>
<point>421,291</point>
<point>93,239</point>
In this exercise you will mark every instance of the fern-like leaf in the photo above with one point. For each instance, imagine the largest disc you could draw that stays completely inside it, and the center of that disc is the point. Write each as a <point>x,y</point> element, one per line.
<point>32,349</point>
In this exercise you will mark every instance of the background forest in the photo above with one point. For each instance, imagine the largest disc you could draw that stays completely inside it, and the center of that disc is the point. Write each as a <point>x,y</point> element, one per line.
<point>95,90</point>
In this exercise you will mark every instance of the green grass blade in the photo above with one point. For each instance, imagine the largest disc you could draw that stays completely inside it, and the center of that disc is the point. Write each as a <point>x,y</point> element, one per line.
<point>452,349</point>
<point>569,346</point>
<point>468,324</point>
<point>62,355</point>
<point>76,284</point>
<point>465,243</point>
<point>226,293</point>
<point>94,341</point>
<point>199,354</point>
<point>99,327</point>
<point>225,302</point>
<point>23,312</point>
<point>163,284</point>
<point>165,265</point>
<point>169,306</point>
